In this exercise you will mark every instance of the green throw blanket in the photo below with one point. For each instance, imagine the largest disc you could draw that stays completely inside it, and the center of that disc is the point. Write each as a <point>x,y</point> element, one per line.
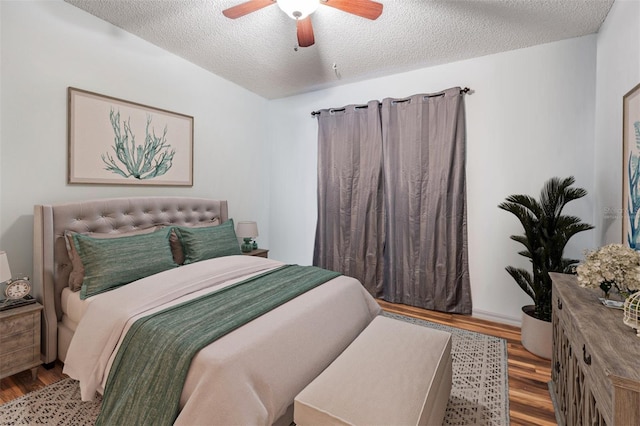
<point>149,371</point>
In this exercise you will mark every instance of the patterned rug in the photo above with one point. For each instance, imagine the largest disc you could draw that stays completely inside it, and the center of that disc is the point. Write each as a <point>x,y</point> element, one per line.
<point>479,396</point>
<point>56,404</point>
<point>480,391</point>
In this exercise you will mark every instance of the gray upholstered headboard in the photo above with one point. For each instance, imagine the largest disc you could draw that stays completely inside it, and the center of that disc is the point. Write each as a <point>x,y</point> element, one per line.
<point>51,265</point>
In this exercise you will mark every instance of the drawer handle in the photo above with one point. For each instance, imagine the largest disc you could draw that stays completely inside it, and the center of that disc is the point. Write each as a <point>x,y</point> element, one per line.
<point>585,358</point>
<point>559,304</point>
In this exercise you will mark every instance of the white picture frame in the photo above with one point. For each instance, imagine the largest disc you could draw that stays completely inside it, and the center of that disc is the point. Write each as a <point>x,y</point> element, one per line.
<point>116,142</point>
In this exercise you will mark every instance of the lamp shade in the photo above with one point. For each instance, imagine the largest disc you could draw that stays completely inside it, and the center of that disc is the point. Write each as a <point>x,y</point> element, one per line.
<point>298,9</point>
<point>247,230</point>
<point>5,272</point>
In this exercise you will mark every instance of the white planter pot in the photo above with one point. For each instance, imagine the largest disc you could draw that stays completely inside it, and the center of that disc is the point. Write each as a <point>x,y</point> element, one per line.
<point>536,334</point>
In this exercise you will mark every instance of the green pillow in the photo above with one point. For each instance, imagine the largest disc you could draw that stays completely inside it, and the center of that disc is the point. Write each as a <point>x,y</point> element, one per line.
<point>206,243</point>
<point>111,263</point>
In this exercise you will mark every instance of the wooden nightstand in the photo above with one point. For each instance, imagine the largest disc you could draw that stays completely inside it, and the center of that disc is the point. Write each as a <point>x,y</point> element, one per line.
<point>20,340</point>
<point>258,252</point>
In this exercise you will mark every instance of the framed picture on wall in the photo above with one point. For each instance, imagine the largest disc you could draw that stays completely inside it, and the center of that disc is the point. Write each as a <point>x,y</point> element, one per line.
<point>631,168</point>
<point>117,142</point>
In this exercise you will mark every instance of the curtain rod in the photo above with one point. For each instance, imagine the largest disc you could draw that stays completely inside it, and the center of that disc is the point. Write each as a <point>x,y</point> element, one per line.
<point>314,113</point>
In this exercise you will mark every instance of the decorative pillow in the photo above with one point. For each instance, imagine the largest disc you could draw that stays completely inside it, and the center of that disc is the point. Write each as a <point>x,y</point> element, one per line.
<point>176,245</point>
<point>76,276</point>
<point>206,243</point>
<point>111,263</point>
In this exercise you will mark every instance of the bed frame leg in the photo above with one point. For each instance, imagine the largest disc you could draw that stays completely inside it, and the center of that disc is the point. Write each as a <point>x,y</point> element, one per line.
<point>49,365</point>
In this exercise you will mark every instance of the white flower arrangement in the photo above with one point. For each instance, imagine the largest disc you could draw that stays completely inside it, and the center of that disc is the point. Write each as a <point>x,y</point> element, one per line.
<point>614,265</point>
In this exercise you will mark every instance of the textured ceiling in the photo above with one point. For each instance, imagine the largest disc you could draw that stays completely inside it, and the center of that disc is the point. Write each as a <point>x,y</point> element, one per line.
<point>258,51</point>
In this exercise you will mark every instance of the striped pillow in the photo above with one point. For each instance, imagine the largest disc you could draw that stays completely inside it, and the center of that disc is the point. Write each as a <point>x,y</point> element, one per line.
<point>111,263</point>
<point>76,275</point>
<point>176,245</point>
<point>206,243</point>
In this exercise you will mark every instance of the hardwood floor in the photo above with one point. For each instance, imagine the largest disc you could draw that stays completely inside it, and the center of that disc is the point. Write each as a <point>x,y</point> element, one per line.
<point>19,384</point>
<point>529,399</point>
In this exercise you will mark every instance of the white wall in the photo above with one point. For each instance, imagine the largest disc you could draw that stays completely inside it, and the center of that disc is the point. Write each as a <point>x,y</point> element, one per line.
<point>530,118</point>
<point>618,71</point>
<point>46,47</point>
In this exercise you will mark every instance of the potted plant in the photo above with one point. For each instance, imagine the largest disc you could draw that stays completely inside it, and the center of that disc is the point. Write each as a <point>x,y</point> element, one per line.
<point>546,233</point>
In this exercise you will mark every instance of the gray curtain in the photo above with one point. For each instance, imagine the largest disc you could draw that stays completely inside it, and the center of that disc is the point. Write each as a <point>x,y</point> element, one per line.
<point>392,199</point>
<point>350,231</point>
<point>425,259</point>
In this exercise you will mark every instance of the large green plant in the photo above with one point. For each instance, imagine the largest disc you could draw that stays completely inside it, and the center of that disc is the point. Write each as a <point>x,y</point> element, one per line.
<point>546,233</point>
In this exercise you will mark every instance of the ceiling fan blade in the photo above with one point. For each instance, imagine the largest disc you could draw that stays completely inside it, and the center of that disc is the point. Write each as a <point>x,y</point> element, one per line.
<point>246,8</point>
<point>364,8</point>
<point>305,32</point>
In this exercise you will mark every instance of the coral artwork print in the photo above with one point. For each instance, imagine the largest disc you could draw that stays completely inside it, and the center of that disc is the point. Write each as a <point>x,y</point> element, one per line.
<point>117,142</point>
<point>147,160</point>
<point>633,205</point>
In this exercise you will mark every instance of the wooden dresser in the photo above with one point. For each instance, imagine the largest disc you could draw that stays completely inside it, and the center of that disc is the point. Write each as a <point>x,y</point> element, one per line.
<point>20,340</point>
<point>596,359</point>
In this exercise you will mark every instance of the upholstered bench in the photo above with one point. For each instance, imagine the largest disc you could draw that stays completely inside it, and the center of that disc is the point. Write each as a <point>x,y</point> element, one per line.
<point>394,373</point>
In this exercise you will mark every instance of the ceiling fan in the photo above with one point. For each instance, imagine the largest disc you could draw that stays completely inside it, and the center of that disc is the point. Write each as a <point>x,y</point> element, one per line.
<point>300,10</point>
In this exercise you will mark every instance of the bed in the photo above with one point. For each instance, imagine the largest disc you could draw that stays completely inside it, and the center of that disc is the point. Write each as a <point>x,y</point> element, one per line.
<point>249,376</point>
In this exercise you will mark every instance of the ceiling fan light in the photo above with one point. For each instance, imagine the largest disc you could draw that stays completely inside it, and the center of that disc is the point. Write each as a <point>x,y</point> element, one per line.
<point>298,9</point>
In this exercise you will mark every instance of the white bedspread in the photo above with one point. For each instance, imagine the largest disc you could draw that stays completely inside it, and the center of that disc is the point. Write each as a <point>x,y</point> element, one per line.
<point>72,306</point>
<point>247,377</point>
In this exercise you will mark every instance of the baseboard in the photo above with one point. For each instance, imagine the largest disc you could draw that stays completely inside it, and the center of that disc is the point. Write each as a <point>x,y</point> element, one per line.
<point>492,316</point>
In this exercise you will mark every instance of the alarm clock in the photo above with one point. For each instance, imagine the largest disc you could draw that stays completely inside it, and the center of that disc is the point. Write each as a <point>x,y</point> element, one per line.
<point>17,292</point>
<point>17,288</point>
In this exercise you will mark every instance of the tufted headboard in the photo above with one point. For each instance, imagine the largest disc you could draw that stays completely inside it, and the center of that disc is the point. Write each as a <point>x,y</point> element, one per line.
<point>51,265</point>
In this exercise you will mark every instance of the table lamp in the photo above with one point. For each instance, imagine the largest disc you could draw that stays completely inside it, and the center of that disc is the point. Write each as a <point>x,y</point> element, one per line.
<point>5,272</point>
<point>247,231</point>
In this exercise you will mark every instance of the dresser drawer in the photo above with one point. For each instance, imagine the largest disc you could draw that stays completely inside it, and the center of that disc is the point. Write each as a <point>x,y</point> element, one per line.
<point>18,341</point>
<point>26,357</point>
<point>561,311</point>
<point>17,324</point>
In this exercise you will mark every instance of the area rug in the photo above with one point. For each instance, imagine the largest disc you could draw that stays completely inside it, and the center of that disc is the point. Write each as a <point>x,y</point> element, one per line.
<point>480,391</point>
<point>479,396</point>
<point>56,404</point>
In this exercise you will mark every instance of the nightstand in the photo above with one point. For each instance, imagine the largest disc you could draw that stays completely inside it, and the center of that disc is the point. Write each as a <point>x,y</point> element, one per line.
<point>258,253</point>
<point>20,340</point>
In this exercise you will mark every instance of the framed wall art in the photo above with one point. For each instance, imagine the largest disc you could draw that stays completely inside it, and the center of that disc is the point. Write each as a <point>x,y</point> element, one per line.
<point>117,142</point>
<point>631,168</point>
